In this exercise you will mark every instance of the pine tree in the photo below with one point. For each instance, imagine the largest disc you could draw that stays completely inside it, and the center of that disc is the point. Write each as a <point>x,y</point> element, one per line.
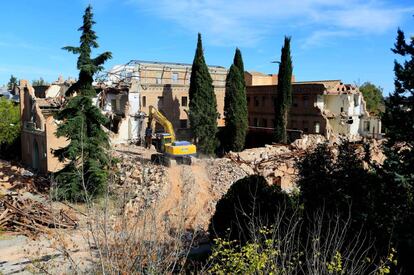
<point>203,106</point>
<point>235,107</point>
<point>284,94</point>
<point>399,150</point>
<point>12,83</point>
<point>81,124</point>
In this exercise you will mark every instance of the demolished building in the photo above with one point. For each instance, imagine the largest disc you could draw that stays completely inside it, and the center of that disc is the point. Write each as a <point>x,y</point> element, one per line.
<point>127,91</point>
<point>329,108</point>
<point>38,126</point>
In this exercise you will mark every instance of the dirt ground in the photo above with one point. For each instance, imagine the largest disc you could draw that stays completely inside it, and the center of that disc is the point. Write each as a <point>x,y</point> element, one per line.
<point>186,193</point>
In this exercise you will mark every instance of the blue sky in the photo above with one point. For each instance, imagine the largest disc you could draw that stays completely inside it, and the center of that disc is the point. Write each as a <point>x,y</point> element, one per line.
<point>331,39</point>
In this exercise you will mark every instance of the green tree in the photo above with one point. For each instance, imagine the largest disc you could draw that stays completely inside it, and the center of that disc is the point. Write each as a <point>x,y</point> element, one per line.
<point>12,83</point>
<point>39,82</point>
<point>398,120</point>
<point>235,107</point>
<point>249,200</point>
<point>203,106</point>
<point>9,128</point>
<point>284,93</point>
<point>373,97</point>
<point>238,62</point>
<point>84,175</point>
<point>345,186</point>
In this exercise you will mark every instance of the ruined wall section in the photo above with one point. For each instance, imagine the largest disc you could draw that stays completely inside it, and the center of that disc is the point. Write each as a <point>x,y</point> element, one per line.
<point>38,131</point>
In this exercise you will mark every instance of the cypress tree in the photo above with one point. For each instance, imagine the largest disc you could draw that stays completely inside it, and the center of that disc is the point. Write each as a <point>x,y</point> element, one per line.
<point>284,93</point>
<point>235,107</point>
<point>203,106</point>
<point>84,175</point>
<point>238,62</point>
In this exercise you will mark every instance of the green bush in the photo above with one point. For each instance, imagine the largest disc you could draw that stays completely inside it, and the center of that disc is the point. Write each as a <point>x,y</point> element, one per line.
<point>9,129</point>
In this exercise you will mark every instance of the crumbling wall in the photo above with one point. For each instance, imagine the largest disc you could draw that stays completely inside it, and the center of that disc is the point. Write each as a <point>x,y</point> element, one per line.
<point>38,137</point>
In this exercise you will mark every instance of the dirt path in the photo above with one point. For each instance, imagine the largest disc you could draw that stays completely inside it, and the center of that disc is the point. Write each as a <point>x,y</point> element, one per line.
<point>200,196</point>
<point>170,202</point>
<point>187,196</point>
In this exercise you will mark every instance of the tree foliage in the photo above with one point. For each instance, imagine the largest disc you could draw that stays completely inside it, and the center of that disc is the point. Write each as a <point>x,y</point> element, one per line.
<point>235,107</point>
<point>373,97</point>
<point>352,184</point>
<point>248,200</point>
<point>12,83</point>
<point>284,93</point>
<point>84,175</point>
<point>39,82</point>
<point>203,106</point>
<point>340,184</point>
<point>399,149</point>
<point>9,128</point>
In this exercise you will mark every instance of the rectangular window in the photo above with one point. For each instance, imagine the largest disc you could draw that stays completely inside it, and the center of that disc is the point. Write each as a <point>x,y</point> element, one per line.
<point>264,122</point>
<point>144,101</point>
<point>342,109</point>
<point>255,122</point>
<point>256,101</point>
<point>183,123</point>
<point>356,100</point>
<point>174,77</point>
<point>305,126</point>
<point>305,101</point>
<point>317,127</point>
<point>113,105</point>
<point>160,101</point>
<point>184,101</point>
<point>158,80</point>
<point>366,126</point>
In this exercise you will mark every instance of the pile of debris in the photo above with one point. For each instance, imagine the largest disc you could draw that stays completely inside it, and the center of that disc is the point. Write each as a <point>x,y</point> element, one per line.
<point>22,214</point>
<point>223,173</point>
<point>137,178</point>
<point>14,177</point>
<point>278,163</point>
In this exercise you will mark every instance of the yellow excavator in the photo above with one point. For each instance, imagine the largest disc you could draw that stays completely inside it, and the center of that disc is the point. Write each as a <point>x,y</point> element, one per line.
<point>167,146</point>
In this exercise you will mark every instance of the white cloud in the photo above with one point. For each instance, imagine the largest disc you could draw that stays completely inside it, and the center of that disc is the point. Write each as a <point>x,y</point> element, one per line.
<point>320,37</point>
<point>246,22</point>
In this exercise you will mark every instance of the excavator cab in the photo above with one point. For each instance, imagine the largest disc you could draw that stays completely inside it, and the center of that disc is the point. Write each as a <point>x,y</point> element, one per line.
<point>161,139</point>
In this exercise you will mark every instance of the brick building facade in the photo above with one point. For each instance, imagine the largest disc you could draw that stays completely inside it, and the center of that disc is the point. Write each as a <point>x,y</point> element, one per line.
<point>130,89</point>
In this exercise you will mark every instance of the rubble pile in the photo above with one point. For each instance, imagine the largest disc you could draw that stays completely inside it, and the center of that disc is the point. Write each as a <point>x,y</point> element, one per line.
<point>19,213</point>
<point>138,178</point>
<point>308,142</point>
<point>14,177</point>
<point>277,163</point>
<point>223,173</point>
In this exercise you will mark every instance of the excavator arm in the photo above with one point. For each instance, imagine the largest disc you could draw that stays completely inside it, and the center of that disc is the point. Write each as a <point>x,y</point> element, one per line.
<point>156,115</point>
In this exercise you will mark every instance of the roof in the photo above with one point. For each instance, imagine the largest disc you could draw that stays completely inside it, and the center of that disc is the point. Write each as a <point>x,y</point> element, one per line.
<point>317,81</point>
<point>136,62</point>
<point>257,73</point>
